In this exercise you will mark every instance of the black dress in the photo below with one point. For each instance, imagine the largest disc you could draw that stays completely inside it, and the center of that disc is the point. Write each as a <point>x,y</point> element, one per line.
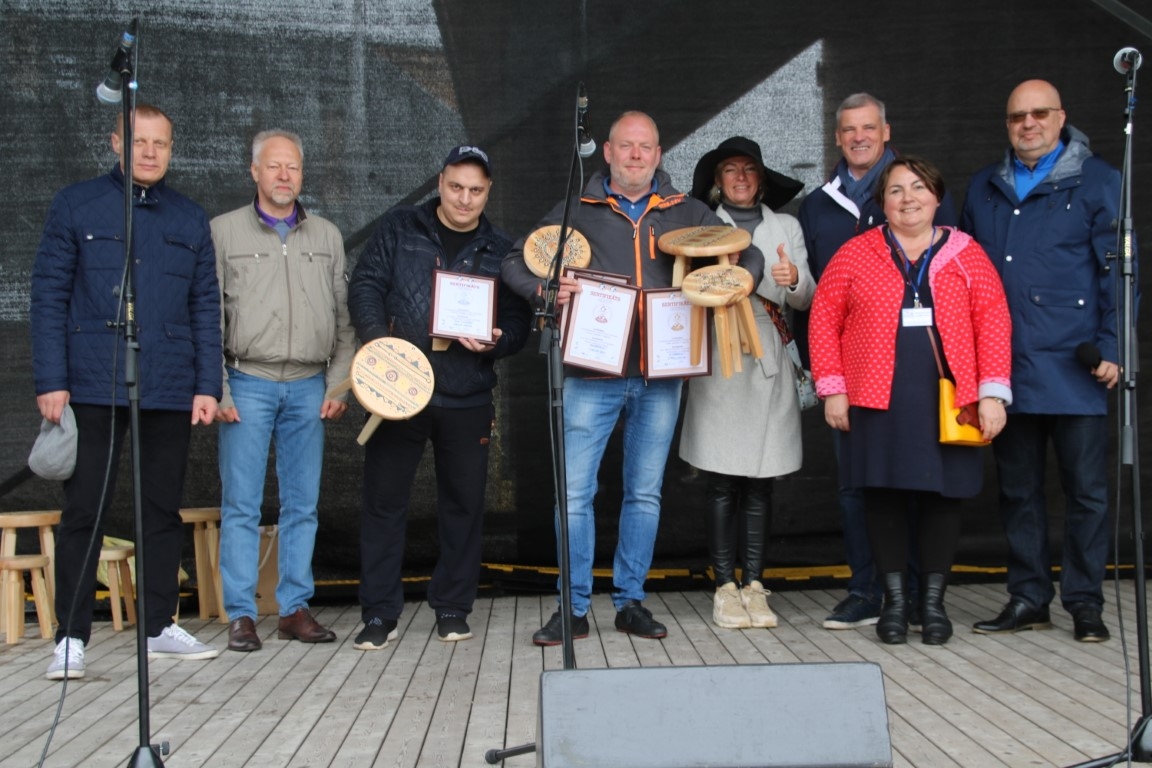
<point>900,447</point>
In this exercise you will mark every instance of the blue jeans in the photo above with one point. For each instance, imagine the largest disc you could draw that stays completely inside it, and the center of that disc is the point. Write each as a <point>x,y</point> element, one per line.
<point>289,413</point>
<point>1021,458</point>
<point>591,410</point>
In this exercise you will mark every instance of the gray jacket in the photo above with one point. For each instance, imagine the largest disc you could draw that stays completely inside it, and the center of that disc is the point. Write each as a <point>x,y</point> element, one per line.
<point>284,305</point>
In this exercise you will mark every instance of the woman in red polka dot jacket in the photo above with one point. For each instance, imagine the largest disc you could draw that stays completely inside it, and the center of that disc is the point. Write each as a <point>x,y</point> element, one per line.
<point>886,298</point>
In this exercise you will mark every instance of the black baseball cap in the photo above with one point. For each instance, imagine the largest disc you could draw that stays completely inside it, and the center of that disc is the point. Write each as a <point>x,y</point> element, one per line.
<point>467,153</point>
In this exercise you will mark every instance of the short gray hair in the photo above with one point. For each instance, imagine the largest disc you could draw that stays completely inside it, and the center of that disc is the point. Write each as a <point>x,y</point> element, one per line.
<point>858,100</point>
<point>262,138</point>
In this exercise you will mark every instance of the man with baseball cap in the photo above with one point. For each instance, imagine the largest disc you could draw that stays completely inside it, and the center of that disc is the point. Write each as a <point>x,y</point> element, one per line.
<point>390,294</point>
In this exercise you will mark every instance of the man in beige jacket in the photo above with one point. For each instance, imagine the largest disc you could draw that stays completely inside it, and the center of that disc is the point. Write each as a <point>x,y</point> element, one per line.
<point>287,340</point>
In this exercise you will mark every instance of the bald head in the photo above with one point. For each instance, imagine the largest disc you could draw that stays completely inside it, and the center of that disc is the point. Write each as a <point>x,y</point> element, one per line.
<point>1035,119</point>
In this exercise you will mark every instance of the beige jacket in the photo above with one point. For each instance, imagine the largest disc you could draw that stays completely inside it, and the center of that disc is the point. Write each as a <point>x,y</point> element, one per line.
<point>284,306</point>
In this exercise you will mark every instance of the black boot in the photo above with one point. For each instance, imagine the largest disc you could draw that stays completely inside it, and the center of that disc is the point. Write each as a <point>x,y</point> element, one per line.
<point>892,628</point>
<point>937,626</point>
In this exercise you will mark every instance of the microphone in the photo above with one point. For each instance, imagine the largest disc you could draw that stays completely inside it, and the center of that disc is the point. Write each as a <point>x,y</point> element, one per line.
<point>1089,355</point>
<point>586,145</point>
<point>1127,59</point>
<point>109,91</point>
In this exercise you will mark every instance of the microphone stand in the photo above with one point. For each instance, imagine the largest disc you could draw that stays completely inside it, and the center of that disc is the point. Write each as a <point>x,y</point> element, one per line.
<point>145,755</point>
<point>549,315</point>
<point>1139,746</point>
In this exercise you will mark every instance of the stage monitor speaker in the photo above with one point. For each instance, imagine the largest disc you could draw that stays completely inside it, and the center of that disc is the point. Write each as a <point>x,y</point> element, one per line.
<point>746,716</point>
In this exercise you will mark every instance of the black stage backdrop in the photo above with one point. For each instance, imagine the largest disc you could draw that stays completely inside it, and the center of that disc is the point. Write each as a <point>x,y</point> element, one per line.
<point>381,91</point>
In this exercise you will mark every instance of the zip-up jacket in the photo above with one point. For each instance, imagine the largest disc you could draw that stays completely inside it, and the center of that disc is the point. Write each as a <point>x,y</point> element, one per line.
<point>1049,249</point>
<point>624,247</point>
<point>390,294</point>
<point>77,341</point>
<point>285,304</point>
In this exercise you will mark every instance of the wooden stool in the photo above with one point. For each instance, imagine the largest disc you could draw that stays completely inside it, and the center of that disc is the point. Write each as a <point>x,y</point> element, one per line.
<point>12,577</point>
<point>206,543</point>
<point>10,524</point>
<point>120,583</point>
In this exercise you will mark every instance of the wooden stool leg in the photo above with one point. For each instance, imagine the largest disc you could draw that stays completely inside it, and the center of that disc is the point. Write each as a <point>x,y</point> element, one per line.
<point>203,569</point>
<point>213,534</point>
<point>40,597</point>
<point>748,330</point>
<point>723,343</point>
<point>129,592</point>
<point>114,596</point>
<point>14,605</point>
<point>734,337</point>
<point>697,328</point>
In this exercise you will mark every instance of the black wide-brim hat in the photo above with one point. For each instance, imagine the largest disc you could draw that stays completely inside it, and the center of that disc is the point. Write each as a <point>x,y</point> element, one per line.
<point>776,189</point>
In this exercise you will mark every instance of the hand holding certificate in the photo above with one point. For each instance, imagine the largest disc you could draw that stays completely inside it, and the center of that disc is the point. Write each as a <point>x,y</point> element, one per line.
<point>599,328</point>
<point>463,307</point>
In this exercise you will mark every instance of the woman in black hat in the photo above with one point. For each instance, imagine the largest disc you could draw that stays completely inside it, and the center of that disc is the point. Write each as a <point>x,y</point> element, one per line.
<point>743,431</point>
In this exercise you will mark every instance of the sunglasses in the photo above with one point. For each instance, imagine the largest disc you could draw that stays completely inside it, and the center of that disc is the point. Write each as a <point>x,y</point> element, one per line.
<point>1015,118</point>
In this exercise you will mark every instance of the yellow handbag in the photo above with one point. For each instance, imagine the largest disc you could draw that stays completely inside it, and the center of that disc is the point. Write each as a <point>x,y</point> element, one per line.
<point>958,426</point>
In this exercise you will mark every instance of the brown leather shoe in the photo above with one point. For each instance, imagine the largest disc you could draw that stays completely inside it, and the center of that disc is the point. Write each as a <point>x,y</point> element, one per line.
<point>301,626</point>
<point>242,635</point>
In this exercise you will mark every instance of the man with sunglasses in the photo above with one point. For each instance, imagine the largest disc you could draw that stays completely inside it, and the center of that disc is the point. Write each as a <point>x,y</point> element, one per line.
<point>1046,216</point>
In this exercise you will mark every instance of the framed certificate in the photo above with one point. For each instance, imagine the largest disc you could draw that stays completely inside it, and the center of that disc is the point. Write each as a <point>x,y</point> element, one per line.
<point>599,330</point>
<point>668,336</point>
<point>574,273</point>
<point>463,306</point>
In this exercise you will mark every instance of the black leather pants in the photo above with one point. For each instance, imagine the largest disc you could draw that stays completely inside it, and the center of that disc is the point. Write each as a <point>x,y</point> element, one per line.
<point>736,503</point>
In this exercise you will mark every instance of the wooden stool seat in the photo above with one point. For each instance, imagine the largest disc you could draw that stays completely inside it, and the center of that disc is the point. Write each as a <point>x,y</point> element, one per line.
<point>12,569</point>
<point>40,567</point>
<point>206,543</point>
<point>120,583</point>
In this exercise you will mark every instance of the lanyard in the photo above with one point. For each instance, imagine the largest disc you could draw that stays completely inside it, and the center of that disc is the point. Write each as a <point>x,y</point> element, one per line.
<point>907,264</point>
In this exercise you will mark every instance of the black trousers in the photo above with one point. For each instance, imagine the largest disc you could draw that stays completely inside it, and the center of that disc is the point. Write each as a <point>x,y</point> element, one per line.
<point>164,437</point>
<point>460,441</point>
<point>937,528</point>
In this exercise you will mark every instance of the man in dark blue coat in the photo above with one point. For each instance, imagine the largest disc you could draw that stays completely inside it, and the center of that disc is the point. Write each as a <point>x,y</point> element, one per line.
<point>78,350</point>
<point>1046,214</point>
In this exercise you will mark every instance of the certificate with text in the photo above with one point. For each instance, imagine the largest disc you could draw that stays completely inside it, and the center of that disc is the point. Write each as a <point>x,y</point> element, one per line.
<point>599,331</point>
<point>463,306</point>
<point>575,274</point>
<point>668,337</point>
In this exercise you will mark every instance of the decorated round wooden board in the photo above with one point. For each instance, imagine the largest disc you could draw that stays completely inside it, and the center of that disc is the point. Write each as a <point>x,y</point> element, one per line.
<point>717,285</point>
<point>540,250</point>
<point>715,240</point>
<point>392,378</point>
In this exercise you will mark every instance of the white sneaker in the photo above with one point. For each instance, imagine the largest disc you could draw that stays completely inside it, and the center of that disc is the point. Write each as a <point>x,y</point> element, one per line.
<point>755,600</point>
<point>728,609</point>
<point>175,643</point>
<point>69,653</point>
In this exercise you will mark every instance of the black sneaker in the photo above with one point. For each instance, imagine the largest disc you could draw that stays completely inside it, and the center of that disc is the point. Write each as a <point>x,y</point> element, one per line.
<point>550,633</point>
<point>637,620</point>
<point>851,612</point>
<point>375,635</point>
<point>451,627</point>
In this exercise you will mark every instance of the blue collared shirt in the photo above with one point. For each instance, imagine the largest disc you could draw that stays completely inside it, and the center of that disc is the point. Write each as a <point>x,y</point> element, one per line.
<point>634,210</point>
<point>1027,178</point>
<point>282,226</point>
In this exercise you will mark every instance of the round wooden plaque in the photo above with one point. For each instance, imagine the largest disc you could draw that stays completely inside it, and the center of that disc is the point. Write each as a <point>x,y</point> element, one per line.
<point>392,378</point>
<point>540,250</point>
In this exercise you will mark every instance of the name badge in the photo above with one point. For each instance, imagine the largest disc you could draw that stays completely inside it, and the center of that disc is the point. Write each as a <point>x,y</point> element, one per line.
<point>917,316</point>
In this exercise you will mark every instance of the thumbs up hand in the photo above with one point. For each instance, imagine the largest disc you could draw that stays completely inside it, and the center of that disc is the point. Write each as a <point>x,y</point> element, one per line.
<point>784,272</point>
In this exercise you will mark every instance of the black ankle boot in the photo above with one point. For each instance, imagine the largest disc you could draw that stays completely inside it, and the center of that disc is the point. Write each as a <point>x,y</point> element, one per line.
<point>937,626</point>
<point>893,625</point>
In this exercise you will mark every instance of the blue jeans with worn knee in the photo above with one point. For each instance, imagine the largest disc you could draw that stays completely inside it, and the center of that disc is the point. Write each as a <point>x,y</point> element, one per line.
<point>591,410</point>
<point>1021,451</point>
<point>287,412</point>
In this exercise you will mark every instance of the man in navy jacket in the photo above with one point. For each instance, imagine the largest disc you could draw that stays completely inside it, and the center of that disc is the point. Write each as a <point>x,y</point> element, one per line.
<point>1046,215</point>
<point>78,350</point>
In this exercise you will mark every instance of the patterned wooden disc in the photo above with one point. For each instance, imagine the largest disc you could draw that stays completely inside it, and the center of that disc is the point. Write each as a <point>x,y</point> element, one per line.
<point>717,285</point>
<point>704,241</point>
<point>392,378</point>
<point>540,250</point>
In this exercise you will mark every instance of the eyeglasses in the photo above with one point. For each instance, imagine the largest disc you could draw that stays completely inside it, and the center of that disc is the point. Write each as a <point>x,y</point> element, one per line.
<point>1015,118</point>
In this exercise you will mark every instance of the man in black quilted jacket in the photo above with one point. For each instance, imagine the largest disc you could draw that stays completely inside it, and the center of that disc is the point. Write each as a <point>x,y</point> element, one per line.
<point>390,294</point>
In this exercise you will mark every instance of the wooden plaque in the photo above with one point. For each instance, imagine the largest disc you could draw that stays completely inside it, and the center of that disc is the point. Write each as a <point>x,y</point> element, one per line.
<point>540,250</point>
<point>392,378</point>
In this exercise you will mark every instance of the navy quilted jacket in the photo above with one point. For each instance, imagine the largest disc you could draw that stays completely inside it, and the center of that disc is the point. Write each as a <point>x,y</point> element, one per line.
<point>76,287</point>
<point>390,294</point>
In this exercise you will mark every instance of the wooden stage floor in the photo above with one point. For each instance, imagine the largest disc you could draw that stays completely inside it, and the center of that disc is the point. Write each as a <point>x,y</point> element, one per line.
<point>1033,699</point>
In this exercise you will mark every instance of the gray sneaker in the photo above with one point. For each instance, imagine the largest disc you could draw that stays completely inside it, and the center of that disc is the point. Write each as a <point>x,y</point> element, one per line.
<point>175,643</point>
<point>69,653</point>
